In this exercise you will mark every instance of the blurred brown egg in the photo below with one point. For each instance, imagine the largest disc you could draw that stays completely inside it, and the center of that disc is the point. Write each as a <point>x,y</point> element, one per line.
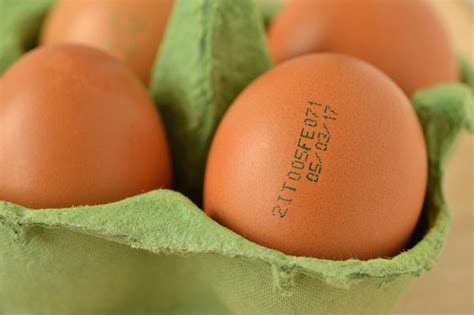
<point>77,128</point>
<point>322,156</point>
<point>405,39</point>
<point>130,30</point>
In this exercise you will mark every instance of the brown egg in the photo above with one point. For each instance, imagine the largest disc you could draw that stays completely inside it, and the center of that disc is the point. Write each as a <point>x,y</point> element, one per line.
<point>130,30</point>
<point>405,39</point>
<point>322,156</point>
<point>77,128</point>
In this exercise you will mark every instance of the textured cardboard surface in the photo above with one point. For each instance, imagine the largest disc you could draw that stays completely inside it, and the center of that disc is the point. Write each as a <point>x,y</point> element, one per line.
<point>212,50</point>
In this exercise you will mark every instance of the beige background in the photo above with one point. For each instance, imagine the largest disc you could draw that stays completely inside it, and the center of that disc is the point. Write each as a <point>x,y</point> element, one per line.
<point>448,288</point>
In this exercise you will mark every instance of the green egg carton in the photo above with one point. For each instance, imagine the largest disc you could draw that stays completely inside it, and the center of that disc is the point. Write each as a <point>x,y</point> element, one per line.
<point>158,253</point>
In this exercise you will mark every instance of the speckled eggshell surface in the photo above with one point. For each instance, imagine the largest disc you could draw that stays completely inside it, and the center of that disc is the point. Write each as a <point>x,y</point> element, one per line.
<point>77,128</point>
<point>404,38</point>
<point>322,156</point>
<point>130,30</point>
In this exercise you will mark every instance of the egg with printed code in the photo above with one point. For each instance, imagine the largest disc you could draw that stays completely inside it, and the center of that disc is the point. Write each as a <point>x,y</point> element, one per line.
<point>322,156</point>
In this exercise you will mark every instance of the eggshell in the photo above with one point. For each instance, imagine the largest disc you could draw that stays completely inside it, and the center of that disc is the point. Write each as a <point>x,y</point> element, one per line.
<point>405,39</point>
<point>322,156</point>
<point>130,30</point>
<point>77,128</point>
